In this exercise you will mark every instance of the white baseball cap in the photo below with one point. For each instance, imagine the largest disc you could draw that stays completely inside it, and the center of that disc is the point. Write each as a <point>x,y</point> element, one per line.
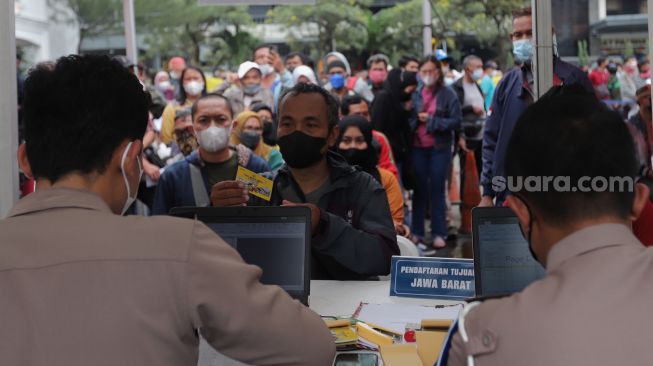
<point>245,67</point>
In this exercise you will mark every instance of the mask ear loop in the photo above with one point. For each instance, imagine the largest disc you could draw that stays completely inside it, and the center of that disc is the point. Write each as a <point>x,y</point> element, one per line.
<point>530,228</point>
<point>122,167</point>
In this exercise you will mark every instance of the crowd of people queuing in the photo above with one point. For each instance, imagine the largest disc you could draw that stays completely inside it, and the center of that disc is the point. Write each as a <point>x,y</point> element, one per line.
<point>420,115</point>
<point>370,154</point>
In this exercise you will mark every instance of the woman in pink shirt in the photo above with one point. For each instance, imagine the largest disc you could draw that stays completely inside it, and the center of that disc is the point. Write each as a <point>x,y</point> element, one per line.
<point>436,116</point>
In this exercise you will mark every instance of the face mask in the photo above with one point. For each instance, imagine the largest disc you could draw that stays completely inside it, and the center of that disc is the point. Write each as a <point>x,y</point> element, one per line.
<point>252,89</point>
<point>300,150</point>
<point>214,139</point>
<point>337,81</point>
<point>194,87</point>
<point>555,46</point>
<point>131,194</point>
<point>174,75</point>
<point>428,80</point>
<point>164,85</point>
<point>266,69</point>
<point>477,74</point>
<point>405,96</point>
<point>449,81</point>
<point>361,158</point>
<point>186,141</point>
<point>250,139</point>
<point>269,135</point>
<point>523,50</point>
<point>378,76</point>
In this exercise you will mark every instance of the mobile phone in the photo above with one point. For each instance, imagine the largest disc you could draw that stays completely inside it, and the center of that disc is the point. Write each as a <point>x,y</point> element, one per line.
<point>356,359</point>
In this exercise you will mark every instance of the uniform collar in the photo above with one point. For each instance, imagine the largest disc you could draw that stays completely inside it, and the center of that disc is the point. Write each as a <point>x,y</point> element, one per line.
<point>587,240</point>
<point>56,198</point>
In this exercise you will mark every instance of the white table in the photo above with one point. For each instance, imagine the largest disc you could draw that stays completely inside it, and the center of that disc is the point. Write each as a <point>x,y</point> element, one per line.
<point>336,298</point>
<point>332,298</point>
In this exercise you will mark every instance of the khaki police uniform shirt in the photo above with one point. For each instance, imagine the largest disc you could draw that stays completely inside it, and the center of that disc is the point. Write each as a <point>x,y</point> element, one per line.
<point>82,286</point>
<point>594,307</point>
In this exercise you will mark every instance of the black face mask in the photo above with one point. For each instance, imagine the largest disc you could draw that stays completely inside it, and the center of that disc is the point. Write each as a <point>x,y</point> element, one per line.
<point>361,158</point>
<point>250,139</point>
<point>405,96</point>
<point>269,135</point>
<point>300,150</point>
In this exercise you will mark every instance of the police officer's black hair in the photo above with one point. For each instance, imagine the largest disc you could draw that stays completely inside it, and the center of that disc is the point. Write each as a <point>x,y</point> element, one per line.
<point>569,133</point>
<point>78,111</point>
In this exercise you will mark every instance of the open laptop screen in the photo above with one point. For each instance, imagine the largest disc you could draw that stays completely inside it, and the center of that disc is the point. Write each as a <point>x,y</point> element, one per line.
<point>505,263</point>
<point>277,247</point>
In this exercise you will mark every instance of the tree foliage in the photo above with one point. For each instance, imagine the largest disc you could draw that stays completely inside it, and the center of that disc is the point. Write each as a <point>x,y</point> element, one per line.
<point>170,27</point>
<point>341,25</point>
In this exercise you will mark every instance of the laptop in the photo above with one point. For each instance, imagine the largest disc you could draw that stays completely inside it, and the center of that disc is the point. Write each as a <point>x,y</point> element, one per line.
<point>503,263</point>
<point>276,239</point>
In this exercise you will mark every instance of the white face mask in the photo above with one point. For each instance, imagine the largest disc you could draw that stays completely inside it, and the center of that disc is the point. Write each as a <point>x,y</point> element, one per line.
<point>174,75</point>
<point>449,81</point>
<point>131,194</point>
<point>477,74</point>
<point>428,80</point>
<point>194,87</point>
<point>164,85</point>
<point>214,139</point>
<point>266,69</point>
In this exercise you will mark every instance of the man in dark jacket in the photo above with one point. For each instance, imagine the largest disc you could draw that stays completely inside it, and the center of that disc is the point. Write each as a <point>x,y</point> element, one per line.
<point>353,237</point>
<point>513,94</point>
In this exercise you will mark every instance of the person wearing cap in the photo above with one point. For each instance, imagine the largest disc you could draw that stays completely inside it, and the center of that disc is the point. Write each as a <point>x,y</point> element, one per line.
<point>184,140</point>
<point>487,83</point>
<point>176,66</point>
<point>354,83</point>
<point>303,74</point>
<point>377,66</point>
<point>338,86</point>
<point>249,89</point>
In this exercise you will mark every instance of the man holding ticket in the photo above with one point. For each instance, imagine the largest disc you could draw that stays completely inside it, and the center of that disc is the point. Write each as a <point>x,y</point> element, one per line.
<point>353,234</point>
<point>188,182</point>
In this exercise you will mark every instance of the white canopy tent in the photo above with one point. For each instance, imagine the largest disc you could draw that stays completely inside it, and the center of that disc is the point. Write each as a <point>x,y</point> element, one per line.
<point>9,187</point>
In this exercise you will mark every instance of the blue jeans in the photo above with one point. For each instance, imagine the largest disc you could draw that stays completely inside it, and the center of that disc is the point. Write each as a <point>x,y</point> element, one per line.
<point>431,169</point>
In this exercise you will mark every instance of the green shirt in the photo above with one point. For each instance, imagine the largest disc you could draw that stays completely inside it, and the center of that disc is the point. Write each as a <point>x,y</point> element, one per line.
<point>219,172</point>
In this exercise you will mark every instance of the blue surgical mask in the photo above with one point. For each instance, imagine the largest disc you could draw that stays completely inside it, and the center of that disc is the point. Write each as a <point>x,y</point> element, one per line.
<point>337,81</point>
<point>523,50</point>
<point>252,89</point>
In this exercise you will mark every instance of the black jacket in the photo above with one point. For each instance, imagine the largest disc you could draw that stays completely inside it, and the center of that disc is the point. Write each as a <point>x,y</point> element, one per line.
<point>472,125</point>
<point>356,238</point>
<point>390,117</point>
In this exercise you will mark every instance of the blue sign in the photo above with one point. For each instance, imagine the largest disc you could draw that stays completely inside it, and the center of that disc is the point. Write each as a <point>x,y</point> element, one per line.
<point>437,278</point>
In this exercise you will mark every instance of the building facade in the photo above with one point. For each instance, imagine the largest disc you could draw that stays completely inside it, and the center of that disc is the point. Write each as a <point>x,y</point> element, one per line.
<point>39,35</point>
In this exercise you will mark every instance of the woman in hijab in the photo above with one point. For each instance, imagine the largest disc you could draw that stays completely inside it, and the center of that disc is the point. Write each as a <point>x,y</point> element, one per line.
<point>355,144</point>
<point>390,113</point>
<point>249,131</point>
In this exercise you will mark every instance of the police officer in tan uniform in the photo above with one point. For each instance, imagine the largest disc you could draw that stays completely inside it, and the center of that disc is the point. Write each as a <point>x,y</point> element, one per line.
<point>81,285</point>
<point>595,304</point>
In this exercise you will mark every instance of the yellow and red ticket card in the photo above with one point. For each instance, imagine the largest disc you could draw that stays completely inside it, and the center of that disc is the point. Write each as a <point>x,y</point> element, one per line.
<point>257,185</point>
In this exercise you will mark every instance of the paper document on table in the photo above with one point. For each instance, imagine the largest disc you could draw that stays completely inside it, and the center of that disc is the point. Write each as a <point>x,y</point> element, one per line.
<point>394,317</point>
